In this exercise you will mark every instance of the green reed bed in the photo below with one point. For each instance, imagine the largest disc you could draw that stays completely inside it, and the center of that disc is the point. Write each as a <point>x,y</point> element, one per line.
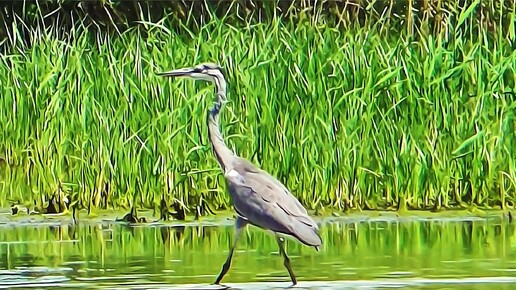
<point>369,117</point>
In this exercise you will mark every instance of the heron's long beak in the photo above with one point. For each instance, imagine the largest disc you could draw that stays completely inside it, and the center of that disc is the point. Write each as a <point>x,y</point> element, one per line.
<point>177,72</point>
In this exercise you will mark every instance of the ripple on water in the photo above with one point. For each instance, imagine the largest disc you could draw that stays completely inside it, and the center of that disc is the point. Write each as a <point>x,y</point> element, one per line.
<point>397,274</point>
<point>33,276</point>
<point>42,269</point>
<point>25,281</point>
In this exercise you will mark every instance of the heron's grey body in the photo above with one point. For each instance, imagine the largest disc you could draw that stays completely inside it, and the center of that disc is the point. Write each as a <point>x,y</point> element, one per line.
<point>263,201</point>
<point>258,198</point>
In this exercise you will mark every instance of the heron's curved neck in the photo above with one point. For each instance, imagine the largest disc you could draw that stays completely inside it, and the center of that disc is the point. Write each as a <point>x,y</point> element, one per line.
<point>222,152</point>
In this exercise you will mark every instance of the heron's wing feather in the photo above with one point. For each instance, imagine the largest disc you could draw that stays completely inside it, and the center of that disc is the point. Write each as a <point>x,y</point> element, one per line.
<point>259,200</point>
<point>272,191</point>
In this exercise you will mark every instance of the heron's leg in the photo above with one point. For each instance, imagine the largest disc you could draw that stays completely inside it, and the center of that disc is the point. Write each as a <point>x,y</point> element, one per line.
<point>239,226</point>
<point>286,259</point>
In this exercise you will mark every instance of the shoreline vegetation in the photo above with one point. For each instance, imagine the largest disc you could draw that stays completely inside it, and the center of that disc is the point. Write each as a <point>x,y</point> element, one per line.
<point>364,106</point>
<point>226,217</point>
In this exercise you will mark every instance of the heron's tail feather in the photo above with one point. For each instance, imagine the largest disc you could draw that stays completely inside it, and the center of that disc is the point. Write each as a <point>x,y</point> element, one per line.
<point>307,234</point>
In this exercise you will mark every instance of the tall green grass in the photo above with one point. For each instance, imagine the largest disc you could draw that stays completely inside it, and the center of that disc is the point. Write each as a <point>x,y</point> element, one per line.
<point>372,116</point>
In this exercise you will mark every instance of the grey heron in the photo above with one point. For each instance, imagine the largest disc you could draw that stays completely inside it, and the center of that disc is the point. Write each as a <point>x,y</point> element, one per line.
<point>258,198</point>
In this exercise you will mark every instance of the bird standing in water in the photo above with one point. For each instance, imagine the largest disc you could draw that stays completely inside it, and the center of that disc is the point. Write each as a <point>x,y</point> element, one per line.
<point>258,198</point>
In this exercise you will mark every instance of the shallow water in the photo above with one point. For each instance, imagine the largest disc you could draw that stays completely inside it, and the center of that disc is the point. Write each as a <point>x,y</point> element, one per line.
<point>358,253</point>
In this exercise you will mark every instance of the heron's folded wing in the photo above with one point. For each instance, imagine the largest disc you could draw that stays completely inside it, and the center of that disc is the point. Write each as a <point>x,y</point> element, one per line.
<point>273,191</point>
<point>263,203</point>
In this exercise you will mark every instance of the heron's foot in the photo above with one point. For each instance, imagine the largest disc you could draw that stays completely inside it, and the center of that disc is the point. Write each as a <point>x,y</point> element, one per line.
<point>221,286</point>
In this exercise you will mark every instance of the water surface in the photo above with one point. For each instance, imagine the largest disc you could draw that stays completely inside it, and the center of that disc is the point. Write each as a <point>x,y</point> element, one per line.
<point>472,253</point>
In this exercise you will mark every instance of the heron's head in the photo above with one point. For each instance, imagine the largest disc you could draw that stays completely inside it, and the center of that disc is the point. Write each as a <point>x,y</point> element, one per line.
<point>204,71</point>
